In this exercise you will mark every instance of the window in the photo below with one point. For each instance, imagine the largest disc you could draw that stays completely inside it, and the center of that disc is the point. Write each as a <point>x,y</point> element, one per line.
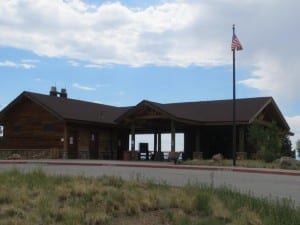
<point>1,131</point>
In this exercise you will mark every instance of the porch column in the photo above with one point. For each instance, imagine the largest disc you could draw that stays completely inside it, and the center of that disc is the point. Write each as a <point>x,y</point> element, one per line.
<point>159,142</point>
<point>241,139</point>
<point>197,140</point>
<point>241,154</point>
<point>155,142</point>
<point>197,154</point>
<point>132,137</point>
<point>172,136</point>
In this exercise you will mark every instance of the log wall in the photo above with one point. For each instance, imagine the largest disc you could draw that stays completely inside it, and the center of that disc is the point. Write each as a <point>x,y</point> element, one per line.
<point>29,126</point>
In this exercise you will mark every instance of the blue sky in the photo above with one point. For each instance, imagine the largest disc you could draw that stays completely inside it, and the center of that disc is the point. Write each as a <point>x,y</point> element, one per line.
<point>121,52</point>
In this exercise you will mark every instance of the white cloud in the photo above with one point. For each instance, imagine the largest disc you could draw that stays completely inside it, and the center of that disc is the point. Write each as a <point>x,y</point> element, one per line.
<point>73,63</point>
<point>171,33</point>
<point>94,66</point>
<point>33,61</point>
<point>27,66</point>
<point>8,63</point>
<point>276,76</point>
<point>83,87</point>
<point>110,33</point>
<point>294,123</point>
<point>102,85</point>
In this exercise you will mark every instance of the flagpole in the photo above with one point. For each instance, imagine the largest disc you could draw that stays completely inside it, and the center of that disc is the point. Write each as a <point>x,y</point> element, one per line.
<point>233,106</point>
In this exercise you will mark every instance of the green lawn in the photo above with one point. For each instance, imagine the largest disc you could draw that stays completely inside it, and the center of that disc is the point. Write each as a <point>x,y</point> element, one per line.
<point>36,198</point>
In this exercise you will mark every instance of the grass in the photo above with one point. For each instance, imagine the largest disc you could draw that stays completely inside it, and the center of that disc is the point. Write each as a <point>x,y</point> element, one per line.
<point>36,198</point>
<point>242,163</point>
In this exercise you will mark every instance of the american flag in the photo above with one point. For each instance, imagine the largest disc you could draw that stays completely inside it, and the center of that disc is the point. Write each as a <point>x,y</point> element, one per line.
<point>236,44</point>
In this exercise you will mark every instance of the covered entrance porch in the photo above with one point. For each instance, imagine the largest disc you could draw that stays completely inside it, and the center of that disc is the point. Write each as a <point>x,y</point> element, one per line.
<point>198,140</point>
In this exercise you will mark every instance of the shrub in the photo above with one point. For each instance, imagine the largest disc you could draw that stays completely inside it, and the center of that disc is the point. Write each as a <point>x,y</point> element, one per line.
<point>268,141</point>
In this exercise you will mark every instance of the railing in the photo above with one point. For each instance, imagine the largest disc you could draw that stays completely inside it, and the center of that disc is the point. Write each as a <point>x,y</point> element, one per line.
<point>143,155</point>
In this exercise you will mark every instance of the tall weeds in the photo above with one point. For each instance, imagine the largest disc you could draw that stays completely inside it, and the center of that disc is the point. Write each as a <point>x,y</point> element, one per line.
<point>36,198</point>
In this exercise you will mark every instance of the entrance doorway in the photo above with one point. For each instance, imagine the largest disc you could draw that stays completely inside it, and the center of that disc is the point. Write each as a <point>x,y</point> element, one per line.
<point>93,146</point>
<point>73,145</point>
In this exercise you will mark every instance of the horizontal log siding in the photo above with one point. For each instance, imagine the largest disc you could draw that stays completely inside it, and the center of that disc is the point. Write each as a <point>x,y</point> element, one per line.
<point>29,126</point>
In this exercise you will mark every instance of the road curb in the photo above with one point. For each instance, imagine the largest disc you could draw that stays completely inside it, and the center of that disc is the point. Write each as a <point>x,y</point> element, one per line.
<point>158,166</point>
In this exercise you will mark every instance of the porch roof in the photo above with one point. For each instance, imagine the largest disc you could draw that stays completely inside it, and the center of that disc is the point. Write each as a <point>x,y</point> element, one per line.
<point>211,112</point>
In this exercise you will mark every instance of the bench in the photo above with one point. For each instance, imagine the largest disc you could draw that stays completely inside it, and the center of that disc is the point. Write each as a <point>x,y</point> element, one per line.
<point>174,156</point>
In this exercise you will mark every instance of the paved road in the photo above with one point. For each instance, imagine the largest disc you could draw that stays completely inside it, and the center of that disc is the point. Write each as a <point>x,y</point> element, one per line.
<point>274,185</point>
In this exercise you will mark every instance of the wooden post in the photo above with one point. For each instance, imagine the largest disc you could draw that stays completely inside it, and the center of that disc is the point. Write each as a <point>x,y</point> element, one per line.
<point>155,142</point>
<point>241,139</point>
<point>132,137</point>
<point>172,136</point>
<point>197,140</point>
<point>159,142</point>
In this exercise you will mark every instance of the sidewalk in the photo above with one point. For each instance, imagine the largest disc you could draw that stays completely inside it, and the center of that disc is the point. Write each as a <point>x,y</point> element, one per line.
<point>150,164</point>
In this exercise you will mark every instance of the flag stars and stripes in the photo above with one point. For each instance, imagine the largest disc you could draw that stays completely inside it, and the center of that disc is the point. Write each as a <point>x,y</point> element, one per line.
<point>236,44</point>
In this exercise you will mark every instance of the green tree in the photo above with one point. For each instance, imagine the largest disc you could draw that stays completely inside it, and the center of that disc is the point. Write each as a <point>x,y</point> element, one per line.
<point>286,149</point>
<point>268,141</point>
<point>298,147</point>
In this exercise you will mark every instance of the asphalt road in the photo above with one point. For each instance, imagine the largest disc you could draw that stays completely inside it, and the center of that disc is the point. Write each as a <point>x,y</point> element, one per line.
<point>258,184</point>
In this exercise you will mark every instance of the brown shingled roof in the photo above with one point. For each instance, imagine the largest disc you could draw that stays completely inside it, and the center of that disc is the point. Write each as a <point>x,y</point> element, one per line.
<point>216,111</point>
<point>203,112</point>
<point>212,112</point>
<point>71,109</point>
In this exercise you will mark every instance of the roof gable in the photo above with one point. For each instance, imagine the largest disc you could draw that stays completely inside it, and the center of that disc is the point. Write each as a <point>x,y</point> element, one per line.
<point>143,110</point>
<point>206,112</point>
<point>71,109</point>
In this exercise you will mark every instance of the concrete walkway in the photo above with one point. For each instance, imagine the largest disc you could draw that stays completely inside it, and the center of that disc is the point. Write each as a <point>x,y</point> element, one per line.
<point>152,164</point>
<point>259,182</point>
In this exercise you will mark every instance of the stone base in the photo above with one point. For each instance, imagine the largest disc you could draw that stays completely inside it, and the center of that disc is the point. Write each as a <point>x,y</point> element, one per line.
<point>127,155</point>
<point>52,153</point>
<point>135,155</point>
<point>83,155</point>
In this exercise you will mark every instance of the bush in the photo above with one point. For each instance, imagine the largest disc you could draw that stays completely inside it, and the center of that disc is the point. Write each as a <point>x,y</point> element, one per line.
<point>269,142</point>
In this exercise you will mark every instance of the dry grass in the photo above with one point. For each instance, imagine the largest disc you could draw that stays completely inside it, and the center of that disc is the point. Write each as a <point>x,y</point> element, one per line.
<point>246,216</point>
<point>39,199</point>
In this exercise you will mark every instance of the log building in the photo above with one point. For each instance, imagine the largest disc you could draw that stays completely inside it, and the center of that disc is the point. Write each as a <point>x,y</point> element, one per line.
<point>55,126</point>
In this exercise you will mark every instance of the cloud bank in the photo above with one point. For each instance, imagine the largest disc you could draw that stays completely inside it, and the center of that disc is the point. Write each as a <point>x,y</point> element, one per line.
<point>83,87</point>
<point>23,64</point>
<point>176,33</point>
<point>172,33</point>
